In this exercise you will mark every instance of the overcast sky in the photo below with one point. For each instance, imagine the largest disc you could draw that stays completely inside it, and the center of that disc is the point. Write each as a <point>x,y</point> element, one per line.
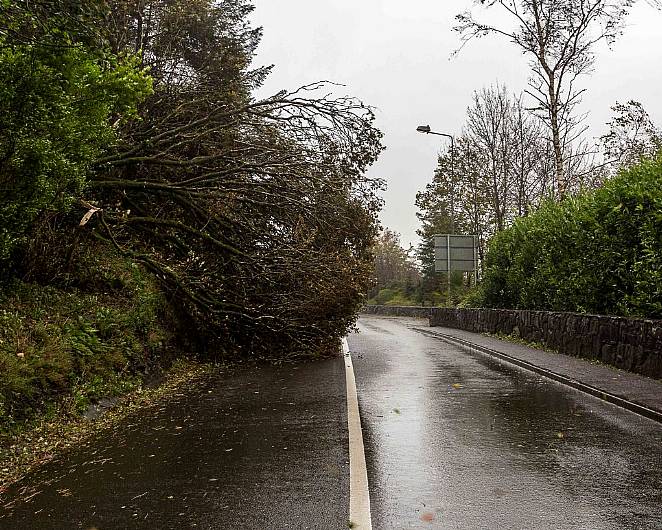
<point>396,56</point>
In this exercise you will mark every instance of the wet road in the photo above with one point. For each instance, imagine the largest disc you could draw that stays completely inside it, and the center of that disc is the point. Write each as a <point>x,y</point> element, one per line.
<point>460,441</point>
<point>259,448</point>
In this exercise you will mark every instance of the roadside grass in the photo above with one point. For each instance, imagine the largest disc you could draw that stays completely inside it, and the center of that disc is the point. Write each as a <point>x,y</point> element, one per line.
<point>516,339</point>
<point>64,348</point>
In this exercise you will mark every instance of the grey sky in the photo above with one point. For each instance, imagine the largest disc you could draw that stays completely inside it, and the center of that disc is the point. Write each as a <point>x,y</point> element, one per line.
<point>395,56</point>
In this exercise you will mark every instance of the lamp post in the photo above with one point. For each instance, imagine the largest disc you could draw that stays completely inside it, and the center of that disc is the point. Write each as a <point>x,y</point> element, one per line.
<point>426,130</point>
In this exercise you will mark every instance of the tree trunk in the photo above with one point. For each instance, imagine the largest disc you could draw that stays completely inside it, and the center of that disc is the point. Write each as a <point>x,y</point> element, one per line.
<point>556,138</point>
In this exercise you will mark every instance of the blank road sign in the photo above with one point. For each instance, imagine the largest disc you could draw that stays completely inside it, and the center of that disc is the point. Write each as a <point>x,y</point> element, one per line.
<point>462,241</point>
<point>462,253</point>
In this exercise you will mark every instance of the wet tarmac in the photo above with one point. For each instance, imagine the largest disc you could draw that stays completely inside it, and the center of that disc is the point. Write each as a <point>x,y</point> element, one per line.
<point>453,441</point>
<point>259,448</point>
<point>459,441</point>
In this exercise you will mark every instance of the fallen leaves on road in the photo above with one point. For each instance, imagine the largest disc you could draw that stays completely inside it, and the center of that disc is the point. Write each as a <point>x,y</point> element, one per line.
<point>37,446</point>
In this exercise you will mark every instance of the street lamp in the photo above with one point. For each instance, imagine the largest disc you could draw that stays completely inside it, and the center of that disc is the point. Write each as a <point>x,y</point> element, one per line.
<point>426,130</point>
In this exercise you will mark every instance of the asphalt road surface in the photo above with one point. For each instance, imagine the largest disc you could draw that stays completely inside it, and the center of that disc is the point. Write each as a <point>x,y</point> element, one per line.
<point>261,447</point>
<point>459,441</point>
<point>452,441</point>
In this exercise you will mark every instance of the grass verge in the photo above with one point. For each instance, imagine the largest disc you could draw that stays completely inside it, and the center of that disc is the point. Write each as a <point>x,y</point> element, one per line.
<point>68,346</point>
<point>515,339</point>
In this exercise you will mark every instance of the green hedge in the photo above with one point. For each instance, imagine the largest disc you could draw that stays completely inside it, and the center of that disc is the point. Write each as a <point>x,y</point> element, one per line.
<point>599,252</point>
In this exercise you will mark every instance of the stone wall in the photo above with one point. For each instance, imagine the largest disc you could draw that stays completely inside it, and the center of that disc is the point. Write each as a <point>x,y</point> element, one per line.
<point>397,311</point>
<point>630,344</point>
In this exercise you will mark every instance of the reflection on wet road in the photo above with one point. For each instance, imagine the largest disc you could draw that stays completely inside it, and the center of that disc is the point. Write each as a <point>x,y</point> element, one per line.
<point>459,441</point>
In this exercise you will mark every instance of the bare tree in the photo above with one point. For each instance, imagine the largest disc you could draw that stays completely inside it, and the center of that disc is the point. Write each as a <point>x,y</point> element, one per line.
<point>511,146</point>
<point>632,135</point>
<point>487,129</point>
<point>531,174</point>
<point>503,168</point>
<point>559,38</point>
<point>474,193</point>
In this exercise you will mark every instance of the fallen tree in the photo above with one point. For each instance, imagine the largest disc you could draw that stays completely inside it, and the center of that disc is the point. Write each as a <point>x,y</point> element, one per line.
<point>256,215</point>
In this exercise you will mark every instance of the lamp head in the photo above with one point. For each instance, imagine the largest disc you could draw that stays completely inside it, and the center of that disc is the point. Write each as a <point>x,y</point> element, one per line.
<point>423,128</point>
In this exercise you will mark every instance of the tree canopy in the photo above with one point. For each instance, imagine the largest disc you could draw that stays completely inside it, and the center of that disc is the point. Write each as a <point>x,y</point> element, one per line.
<point>61,98</point>
<point>559,38</point>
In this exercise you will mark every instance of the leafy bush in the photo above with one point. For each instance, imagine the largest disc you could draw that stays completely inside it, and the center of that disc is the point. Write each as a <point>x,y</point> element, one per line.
<point>598,252</point>
<point>394,296</point>
<point>60,104</point>
<point>473,298</point>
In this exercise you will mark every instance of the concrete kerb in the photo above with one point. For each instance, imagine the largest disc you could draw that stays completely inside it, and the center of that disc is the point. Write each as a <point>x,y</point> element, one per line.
<point>642,410</point>
<point>359,491</point>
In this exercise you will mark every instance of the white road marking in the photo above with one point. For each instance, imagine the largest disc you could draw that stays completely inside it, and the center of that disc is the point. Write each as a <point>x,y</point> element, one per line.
<point>359,495</point>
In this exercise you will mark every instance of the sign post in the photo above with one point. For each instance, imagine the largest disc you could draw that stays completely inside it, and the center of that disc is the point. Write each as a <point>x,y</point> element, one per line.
<point>454,252</point>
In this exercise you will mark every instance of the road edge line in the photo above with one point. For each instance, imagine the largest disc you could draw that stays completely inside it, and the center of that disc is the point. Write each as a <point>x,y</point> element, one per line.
<point>359,494</point>
<point>603,395</point>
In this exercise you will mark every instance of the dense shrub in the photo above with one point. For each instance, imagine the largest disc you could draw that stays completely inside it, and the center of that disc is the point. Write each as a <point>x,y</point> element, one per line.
<point>598,252</point>
<point>61,101</point>
<point>395,296</point>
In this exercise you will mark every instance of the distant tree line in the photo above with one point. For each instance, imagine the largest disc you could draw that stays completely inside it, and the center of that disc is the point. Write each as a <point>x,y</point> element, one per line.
<point>397,276</point>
